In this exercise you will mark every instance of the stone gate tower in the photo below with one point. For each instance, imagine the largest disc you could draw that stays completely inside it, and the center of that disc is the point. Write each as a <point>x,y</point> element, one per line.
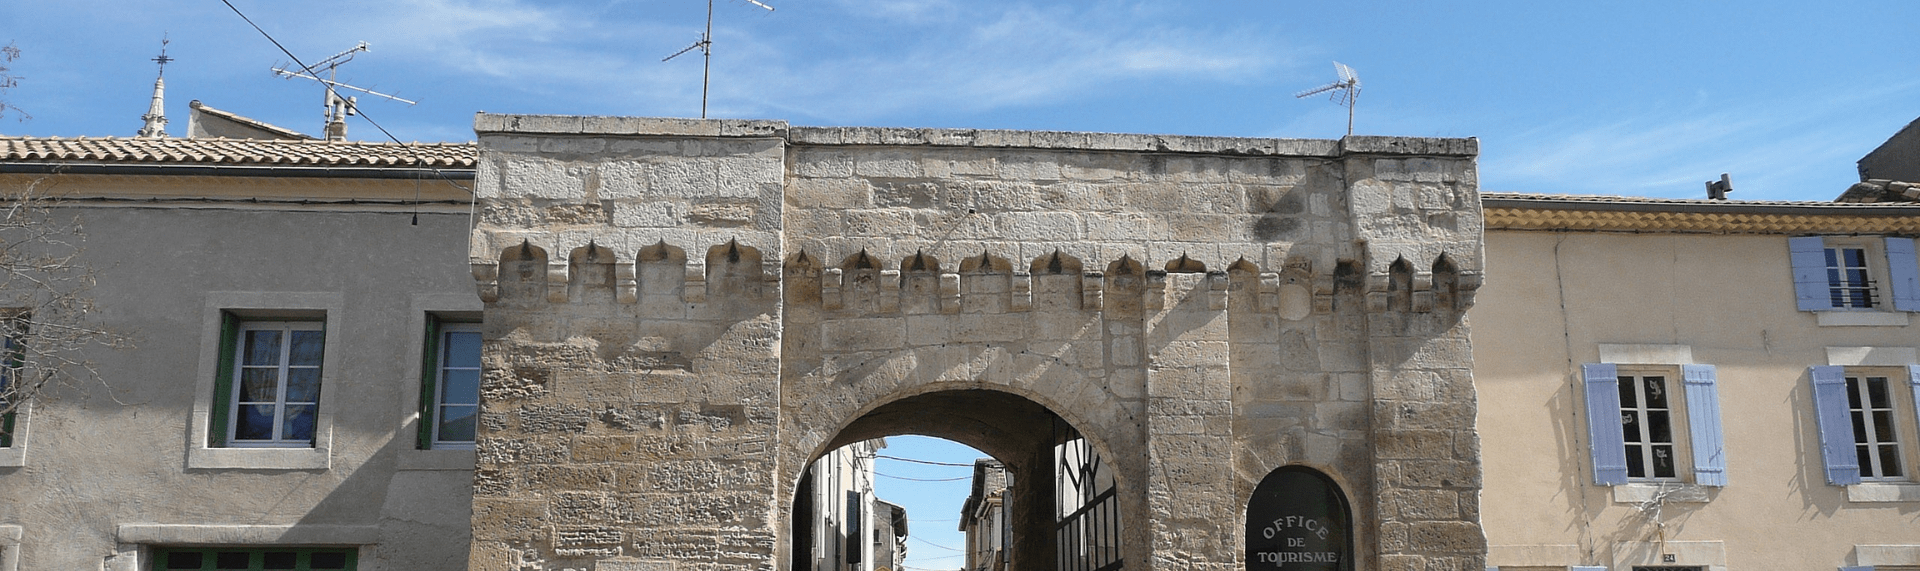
<point>681,314</point>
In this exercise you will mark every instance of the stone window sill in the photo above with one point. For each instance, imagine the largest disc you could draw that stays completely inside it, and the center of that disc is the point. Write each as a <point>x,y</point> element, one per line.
<point>1878,492</point>
<point>1862,318</point>
<point>259,458</point>
<point>436,459</point>
<point>1675,492</point>
<point>13,456</point>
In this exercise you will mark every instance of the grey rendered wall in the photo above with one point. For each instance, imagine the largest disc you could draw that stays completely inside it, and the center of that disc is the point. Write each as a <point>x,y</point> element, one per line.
<point>111,468</point>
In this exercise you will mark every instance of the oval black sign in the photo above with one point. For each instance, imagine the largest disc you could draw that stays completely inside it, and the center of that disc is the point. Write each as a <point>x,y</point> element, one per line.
<point>1297,520</point>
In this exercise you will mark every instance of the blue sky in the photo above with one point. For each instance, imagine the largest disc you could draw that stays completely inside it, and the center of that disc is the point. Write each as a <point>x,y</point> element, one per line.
<point>1627,98</point>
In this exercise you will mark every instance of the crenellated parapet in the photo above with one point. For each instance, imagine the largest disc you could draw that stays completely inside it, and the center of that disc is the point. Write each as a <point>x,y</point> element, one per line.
<point>862,284</point>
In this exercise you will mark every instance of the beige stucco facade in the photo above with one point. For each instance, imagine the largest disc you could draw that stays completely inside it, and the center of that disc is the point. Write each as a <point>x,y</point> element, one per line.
<point>1652,285</point>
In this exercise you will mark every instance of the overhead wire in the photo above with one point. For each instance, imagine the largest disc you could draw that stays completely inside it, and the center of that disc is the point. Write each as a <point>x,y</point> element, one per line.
<point>928,462</point>
<point>923,479</point>
<point>419,160</point>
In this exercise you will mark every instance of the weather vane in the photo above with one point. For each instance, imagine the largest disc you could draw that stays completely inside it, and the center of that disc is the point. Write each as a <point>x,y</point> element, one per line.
<point>163,59</point>
<point>705,45</point>
<point>1346,91</point>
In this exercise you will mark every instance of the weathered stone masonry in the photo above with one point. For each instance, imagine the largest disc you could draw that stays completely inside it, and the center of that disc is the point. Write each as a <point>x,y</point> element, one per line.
<point>682,313</point>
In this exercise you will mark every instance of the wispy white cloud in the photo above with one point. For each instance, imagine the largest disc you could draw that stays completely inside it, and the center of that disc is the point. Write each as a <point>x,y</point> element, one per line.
<point>1024,55</point>
<point>1788,148</point>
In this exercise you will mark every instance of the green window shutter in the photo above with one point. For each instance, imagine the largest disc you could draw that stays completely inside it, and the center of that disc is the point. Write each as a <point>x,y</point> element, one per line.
<point>223,381</point>
<point>429,373</point>
<point>6,430</point>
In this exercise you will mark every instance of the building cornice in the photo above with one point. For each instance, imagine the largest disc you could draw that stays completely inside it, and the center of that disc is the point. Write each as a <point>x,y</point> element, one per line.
<point>1507,211</point>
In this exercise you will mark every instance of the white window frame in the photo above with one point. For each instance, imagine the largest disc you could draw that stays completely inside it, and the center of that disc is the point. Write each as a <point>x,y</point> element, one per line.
<point>441,366</point>
<point>1900,413</point>
<point>1873,256</point>
<point>282,367</point>
<point>1677,435</point>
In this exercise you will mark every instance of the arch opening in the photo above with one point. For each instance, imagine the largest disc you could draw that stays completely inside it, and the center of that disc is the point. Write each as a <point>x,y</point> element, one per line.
<point>1039,494</point>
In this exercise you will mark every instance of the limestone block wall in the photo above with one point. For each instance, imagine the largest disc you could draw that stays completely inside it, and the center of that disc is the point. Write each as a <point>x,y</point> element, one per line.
<point>682,314</point>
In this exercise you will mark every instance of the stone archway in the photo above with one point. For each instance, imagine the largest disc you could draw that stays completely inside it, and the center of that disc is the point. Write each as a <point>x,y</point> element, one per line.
<point>680,314</point>
<point>1024,436</point>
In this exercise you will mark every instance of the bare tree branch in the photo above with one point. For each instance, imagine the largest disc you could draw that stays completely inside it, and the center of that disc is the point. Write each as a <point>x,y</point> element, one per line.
<point>47,312</point>
<point>8,80</point>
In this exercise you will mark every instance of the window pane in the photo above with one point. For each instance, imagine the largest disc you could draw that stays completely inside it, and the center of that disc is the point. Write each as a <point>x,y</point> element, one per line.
<point>1628,397</point>
<point>299,422</point>
<point>328,560</point>
<point>1630,426</point>
<point>1658,428</point>
<point>1832,258</point>
<point>185,560</point>
<point>1883,426</point>
<point>1636,465</point>
<point>232,560</point>
<point>461,387</point>
<point>1859,427</point>
<point>1889,461</point>
<point>303,385</point>
<point>1864,455</point>
<point>1656,392</point>
<point>259,385</point>
<point>1853,393</point>
<point>456,423</point>
<point>1663,461</point>
<point>463,349</point>
<point>306,348</point>
<point>279,560</point>
<point>1877,392</point>
<point>263,348</point>
<point>255,422</point>
<point>1856,257</point>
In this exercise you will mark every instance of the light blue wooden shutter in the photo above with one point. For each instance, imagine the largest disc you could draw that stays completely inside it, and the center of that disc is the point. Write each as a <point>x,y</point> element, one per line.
<point>1836,427</point>
<point>1903,271</point>
<point>1860,568</point>
<point>1913,383</point>
<point>1604,439</point>
<point>1703,425</point>
<point>1809,256</point>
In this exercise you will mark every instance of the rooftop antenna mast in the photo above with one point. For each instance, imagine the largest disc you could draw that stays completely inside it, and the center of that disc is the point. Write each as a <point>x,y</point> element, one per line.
<point>337,108</point>
<point>1346,91</point>
<point>705,45</point>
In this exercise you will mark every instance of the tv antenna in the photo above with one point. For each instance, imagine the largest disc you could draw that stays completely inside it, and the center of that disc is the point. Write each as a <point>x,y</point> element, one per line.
<point>705,45</point>
<point>337,108</point>
<point>1346,91</point>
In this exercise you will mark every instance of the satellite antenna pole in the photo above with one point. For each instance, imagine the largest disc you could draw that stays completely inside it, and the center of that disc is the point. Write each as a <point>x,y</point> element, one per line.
<point>337,108</point>
<point>705,45</point>
<point>1346,91</point>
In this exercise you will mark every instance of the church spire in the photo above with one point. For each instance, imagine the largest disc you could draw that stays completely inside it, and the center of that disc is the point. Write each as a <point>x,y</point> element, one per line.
<point>156,116</point>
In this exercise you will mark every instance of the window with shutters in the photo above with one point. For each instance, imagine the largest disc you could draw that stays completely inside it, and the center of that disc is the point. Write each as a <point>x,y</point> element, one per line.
<point>1855,273</point>
<point>1867,421</point>
<point>1654,424</point>
<point>450,385</point>
<point>273,395</point>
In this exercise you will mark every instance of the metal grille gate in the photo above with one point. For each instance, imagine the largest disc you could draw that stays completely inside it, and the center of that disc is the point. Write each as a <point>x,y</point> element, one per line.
<point>1089,535</point>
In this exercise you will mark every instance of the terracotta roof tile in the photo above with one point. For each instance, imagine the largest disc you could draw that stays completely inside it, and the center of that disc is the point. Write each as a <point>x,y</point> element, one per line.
<point>235,152</point>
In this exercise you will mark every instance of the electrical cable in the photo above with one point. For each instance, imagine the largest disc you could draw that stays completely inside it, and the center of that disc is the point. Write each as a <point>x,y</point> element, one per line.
<point>928,462</point>
<point>917,538</point>
<point>418,159</point>
<point>925,479</point>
